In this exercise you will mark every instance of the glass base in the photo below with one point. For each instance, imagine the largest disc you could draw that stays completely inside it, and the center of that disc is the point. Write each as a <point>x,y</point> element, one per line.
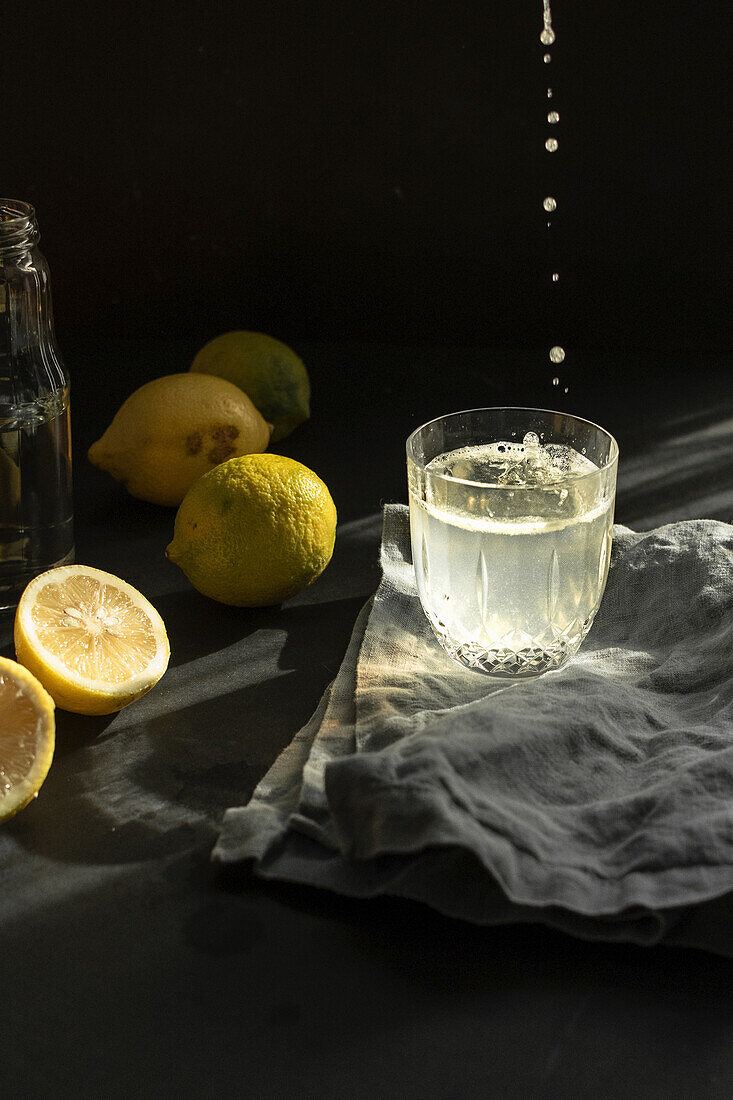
<point>11,588</point>
<point>511,664</point>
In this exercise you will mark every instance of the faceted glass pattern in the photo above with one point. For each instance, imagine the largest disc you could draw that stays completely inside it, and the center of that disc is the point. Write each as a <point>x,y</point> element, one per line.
<point>511,512</point>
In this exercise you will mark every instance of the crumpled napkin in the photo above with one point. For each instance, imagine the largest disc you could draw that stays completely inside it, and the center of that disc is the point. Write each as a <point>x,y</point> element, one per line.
<point>597,798</point>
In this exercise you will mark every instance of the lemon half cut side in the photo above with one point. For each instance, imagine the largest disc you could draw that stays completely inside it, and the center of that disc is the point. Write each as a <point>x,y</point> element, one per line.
<point>94,642</point>
<point>27,737</point>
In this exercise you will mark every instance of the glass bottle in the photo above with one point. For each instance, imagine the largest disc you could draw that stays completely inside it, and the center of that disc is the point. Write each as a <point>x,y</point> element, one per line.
<point>36,506</point>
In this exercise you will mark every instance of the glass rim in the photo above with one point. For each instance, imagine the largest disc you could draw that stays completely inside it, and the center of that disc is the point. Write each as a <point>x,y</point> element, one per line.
<point>571,479</point>
<point>17,211</point>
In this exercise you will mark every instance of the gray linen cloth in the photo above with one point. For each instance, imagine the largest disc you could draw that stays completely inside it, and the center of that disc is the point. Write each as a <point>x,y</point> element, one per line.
<point>597,799</point>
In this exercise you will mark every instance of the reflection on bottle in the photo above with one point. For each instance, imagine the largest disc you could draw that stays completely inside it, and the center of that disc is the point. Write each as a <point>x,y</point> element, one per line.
<point>36,508</point>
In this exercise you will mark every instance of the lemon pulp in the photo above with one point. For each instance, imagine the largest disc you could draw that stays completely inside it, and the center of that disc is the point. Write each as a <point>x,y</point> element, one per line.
<point>93,640</point>
<point>94,629</point>
<point>27,735</point>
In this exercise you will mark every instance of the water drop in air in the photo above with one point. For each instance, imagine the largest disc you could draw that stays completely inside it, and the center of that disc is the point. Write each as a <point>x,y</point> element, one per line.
<point>557,354</point>
<point>555,277</point>
<point>549,93</point>
<point>551,145</point>
<point>549,203</point>
<point>566,389</point>
<point>547,59</point>
<point>548,35</point>
<point>556,381</point>
<point>553,116</point>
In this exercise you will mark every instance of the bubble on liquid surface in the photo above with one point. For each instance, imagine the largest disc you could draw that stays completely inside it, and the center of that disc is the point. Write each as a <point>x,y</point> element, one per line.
<point>557,354</point>
<point>547,37</point>
<point>549,203</point>
<point>551,145</point>
<point>514,465</point>
<point>553,117</point>
<point>555,277</point>
<point>531,439</point>
<point>547,59</point>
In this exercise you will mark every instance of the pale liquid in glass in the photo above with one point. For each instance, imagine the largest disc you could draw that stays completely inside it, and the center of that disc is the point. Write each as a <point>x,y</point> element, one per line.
<point>511,571</point>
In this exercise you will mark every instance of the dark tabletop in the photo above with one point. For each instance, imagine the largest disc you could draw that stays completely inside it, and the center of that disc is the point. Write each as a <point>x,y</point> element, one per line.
<point>135,967</point>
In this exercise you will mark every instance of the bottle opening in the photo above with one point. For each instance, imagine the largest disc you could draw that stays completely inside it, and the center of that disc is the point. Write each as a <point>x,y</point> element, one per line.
<point>18,225</point>
<point>12,209</point>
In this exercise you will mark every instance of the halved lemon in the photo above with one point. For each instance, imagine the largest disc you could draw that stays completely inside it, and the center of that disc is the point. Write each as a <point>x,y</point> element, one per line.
<point>27,735</point>
<point>95,643</point>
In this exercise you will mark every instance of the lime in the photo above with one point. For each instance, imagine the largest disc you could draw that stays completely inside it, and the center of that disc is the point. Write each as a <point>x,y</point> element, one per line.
<point>268,371</point>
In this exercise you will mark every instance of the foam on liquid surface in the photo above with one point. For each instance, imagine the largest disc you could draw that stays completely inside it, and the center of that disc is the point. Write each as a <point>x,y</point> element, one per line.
<point>526,465</point>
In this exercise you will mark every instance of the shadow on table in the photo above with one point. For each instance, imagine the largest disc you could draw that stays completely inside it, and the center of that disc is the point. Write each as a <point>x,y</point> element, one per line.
<point>156,779</point>
<point>688,475</point>
<point>384,928</point>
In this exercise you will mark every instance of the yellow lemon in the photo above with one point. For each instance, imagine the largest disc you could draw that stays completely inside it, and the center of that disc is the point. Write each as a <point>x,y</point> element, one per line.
<point>94,642</point>
<point>27,735</point>
<point>267,370</point>
<point>174,429</point>
<point>254,531</point>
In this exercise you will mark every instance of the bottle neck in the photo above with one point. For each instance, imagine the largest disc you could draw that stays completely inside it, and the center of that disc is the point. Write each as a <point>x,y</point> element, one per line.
<point>30,363</point>
<point>18,227</point>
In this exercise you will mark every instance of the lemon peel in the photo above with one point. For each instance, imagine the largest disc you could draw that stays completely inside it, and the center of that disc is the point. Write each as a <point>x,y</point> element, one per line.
<point>172,430</point>
<point>254,531</point>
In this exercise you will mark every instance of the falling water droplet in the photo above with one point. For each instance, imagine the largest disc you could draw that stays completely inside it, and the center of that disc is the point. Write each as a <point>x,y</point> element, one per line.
<point>547,37</point>
<point>549,204</point>
<point>553,116</point>
<point>549,93</point>
<point>547,59</point>
<point>551,145</point>
<point>555,277</point>
<point>557,354</point>
<point>566,389</point>
<point>556,381</point>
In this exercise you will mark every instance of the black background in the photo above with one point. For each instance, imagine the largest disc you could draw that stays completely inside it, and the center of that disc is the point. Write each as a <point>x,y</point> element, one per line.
<point>374,172</point>
<point>363,180</point>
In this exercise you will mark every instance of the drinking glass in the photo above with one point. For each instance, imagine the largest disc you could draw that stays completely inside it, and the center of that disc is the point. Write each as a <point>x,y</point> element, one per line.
<point>511,514</point>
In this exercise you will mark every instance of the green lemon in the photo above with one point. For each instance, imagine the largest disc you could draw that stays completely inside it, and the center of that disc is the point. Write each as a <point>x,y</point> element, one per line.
<point>268,371</point>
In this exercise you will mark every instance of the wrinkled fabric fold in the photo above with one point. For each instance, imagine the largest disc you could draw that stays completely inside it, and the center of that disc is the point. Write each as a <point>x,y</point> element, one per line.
<point>597,799</point>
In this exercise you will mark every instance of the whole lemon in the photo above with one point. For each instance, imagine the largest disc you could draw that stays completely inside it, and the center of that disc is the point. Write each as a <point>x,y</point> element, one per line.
<point>174,429</point>
<point>254,531</point>
<point>268,371</point>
